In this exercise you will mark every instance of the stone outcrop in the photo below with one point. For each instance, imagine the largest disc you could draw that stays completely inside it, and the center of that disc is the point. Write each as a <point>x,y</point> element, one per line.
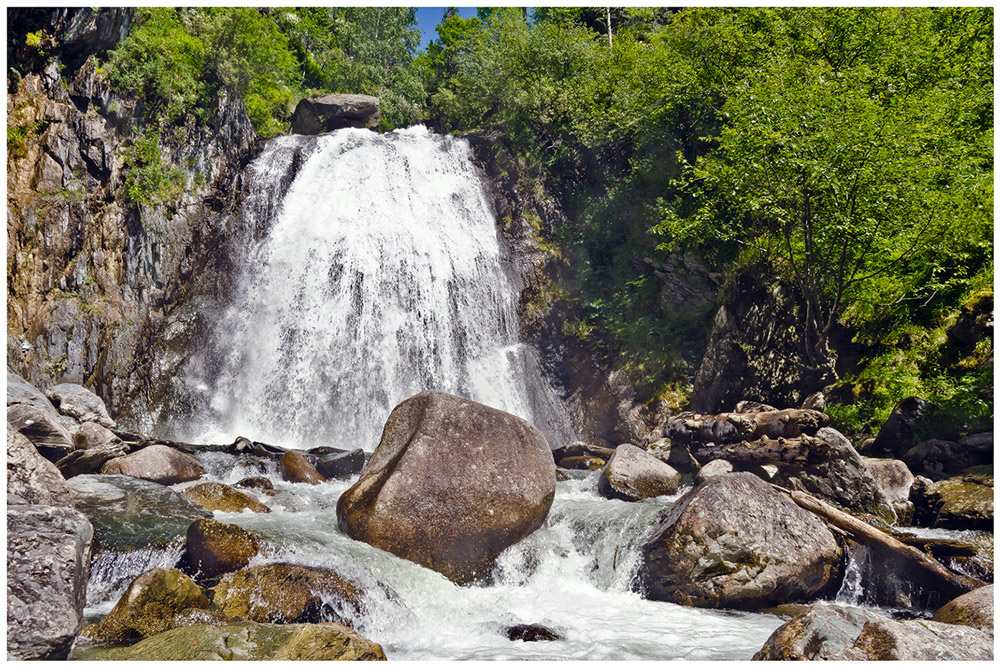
<point>212,548</point>
<point>326,113</point>
<point>32,478</point>
<point>281,593</point>
<point>734,542</point>
<point>632,474</point>
<point>48,563</point>
<point>97,284</point>
<point>222,497</point>
<point>149,604</point>
<point>247,641</point>
<point>156,463</point>
<point>130,513</point>
<point>451,484</point>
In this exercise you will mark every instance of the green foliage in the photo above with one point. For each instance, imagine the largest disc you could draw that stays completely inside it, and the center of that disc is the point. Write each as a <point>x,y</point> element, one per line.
<point>149,179</point>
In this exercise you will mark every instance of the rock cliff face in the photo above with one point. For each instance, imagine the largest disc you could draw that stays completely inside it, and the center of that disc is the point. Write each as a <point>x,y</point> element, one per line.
<point>100,289</point>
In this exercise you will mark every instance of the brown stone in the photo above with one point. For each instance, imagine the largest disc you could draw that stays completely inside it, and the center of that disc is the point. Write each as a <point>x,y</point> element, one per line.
<point>632,474</point>
<point>295,468</point>
<point>222,497</point>
<point>213,548</point>
<point>156,463</point>
<point>582,463</point>
<point>451,485</point>
<point>974,609</point>
<point>149,605</point>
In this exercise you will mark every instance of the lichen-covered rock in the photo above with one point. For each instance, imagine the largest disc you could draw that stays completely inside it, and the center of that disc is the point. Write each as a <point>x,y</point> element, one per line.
<point>80,403</point>
<point>920,640</point>
<point>246,641</point>
<point>732,427</point>
<point>33,478</point>
<point>42,428</point>
<point>735,542</point>
<point>222,497</point>
<point>894,479</point>
<point>156,463</point>
<point>213,548</point>
<point>451,485</point>
<point>130,513</point>
<point>325,113</point>
<point>296,468</point>
<point>48,563</point>
<point>821,633</point>
<point>632,474</point>
<point>963,502</point>
<point>282,593</point>
<point>974,609</point>
<point>149,604</point>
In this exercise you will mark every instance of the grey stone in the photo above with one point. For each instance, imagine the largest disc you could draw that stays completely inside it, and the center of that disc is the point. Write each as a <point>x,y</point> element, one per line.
<point>90,461</point>
<point>156,463</point>
<point>821,633</point>
<point>80,403</point>
<point>632,474</point>
<point>42,428</point>
<point>332,466</point>
<point>920,640</point>
<point>33,478</point>
<point>20,390</point>
<point>48,563</point>
<point>325,113</point>
<point>713,469</point>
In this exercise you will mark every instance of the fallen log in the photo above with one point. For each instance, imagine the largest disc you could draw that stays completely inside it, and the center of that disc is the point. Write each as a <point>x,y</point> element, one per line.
<point>949,584</point>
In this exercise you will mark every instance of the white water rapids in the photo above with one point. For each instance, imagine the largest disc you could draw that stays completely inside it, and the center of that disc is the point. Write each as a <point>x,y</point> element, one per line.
<point>374,271</point>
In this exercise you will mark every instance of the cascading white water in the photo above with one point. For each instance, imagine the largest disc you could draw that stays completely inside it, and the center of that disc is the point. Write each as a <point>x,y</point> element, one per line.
<point>375,271</point>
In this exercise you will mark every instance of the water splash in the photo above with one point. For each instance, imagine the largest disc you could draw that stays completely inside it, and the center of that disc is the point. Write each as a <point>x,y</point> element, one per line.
<point>373,271</point>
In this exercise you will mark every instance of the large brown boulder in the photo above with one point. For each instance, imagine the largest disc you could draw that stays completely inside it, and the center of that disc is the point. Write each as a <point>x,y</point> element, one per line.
<point>149,604</point>
<point>451,485</point>
<point>325,113</point>
<point>281,593</point>
<point>222,497</point>
<point>156,463</point>
<point>33,478</point>
<point>213,548</point>
<point>246,641</point>
<point>296,468</point>
<point>974,609</point>
<point>632,474</point>
<point>735,542</point>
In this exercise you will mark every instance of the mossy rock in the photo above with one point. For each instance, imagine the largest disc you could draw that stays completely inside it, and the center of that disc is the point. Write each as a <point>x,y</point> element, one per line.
<point>974,609</point>
<point>245,641</point>
<point>214,548</point>
<point>149,604</point>
<point>963,502</point>
<point>283,593</point>
<point>222,497</point>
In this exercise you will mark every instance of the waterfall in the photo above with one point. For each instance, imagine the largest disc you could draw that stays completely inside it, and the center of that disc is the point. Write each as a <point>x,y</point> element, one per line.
<point>372,270</point>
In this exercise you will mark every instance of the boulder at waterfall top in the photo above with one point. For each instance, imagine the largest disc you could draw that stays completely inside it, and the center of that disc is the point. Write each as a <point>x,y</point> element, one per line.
<point>451,485</point>
<point>156,463</point>
<point>325,113</point>
<point>632,474</point>
<point>734,542</point>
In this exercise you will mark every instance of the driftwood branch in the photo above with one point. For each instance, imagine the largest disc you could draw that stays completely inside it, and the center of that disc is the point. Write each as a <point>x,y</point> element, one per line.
<point>952,584</point>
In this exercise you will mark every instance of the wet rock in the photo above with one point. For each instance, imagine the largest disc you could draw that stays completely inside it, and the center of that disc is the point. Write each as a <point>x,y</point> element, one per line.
<point>247,641</point>
<point>451,485</point>
<point>974,609</point>
<point>920,640</point>
<point>582,463</point>
<point>714,469</point>
<point>222,497</point>
<point>325,113</point>
<point>130,513</point>
<point>821,633</point>
<point>735,542</point>
<point>48,563</point>
<point>342,464</point>
<point>193,616</point>
<point>530,633</point>
<point>961,502</point>
<point>940,459</point>
<point>80,403</point>
<point>156,463</point>
<point>91,460</point>
<point>262,483</point>
<point>900,431</point>
<point>894,479</point>
<point>576,449</point>
<point>282,593</point>
<point>33,478</point>
<point>244,446</point>
<point>42,428</point>
<point>213,548</point>
<point>296,468</point>
<point>632,474</point>
<point>149,604</point>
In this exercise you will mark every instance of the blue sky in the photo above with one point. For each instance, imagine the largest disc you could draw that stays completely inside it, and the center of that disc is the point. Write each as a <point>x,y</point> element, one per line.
<point>429,17</point>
